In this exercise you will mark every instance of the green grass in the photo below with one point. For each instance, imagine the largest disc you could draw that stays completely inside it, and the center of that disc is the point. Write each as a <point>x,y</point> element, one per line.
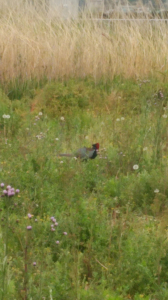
<point>115,216</point>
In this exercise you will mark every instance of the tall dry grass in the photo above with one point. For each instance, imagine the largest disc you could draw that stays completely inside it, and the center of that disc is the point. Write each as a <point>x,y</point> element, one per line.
<point>37,44</point>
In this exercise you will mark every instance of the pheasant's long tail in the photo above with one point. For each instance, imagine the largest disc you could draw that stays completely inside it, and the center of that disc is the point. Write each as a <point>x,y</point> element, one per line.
<point>64,154</point>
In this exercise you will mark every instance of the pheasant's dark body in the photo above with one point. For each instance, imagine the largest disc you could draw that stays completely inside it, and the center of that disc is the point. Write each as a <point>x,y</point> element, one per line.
<point>85,153</point>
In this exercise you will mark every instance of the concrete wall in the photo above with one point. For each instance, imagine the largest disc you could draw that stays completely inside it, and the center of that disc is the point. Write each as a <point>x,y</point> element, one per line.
<point>95,5</point>
<point>65,8</point>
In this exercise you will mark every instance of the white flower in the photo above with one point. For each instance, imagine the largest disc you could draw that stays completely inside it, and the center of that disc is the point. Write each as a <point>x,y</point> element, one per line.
<point>40,113</point>
<point>156,191</point>
<point>27,129</point>
<point>75,158</point>
<point>86,137</point>
<point>39,137</point>
<point>145,148</point>
<point>6,116</point>
<point>62,119</point>
<point>57,139</point>
<point>61,162</point>
<point>117,119</point>
<point>122,118</point>
<point>135,167</point>
<point>164,116</point>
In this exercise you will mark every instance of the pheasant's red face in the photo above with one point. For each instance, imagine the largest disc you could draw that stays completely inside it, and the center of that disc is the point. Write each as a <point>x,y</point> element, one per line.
<point>97,146</point>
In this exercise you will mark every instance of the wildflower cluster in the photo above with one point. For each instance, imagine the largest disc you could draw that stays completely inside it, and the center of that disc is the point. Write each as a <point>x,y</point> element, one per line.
<point>40,136</point>
<point>8,191</point>
<point>160,94</point>
<point>55,223</point>
<point>141,82</point>
<point>6,116</point>
<point>120,119</point>
<point>37,118</point>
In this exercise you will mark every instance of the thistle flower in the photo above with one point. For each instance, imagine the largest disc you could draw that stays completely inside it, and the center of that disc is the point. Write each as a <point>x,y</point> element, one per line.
<point>57,242</point>
<point>10,194</point>
<point>34,263</point>
<point>53,220</point>
<point>29,227</point>
<point>65,233</point>
<point>17,191</point>
<point>2,184</point>
<point>29,216</point>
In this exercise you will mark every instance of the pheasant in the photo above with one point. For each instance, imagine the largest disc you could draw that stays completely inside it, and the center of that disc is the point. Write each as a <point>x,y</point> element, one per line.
<point>84,153</point>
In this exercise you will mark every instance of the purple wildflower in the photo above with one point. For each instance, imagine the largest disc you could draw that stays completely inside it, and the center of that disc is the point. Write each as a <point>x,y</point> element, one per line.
<point>17,191</point>
<point>8,187</point>
<point>29,227</point>
<point>57,242</point>
<point>29,216</point>
<point>34,263</point>
<point>2,184</point>
<point>65,233</point>
<point>52,229</point>
<point>56,224</point>
<point>10,194</point>
<point>5,192</point>
<point>53,220</point>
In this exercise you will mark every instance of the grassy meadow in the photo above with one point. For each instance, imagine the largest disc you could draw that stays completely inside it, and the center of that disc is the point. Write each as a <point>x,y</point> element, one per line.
<point>73,230</point>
